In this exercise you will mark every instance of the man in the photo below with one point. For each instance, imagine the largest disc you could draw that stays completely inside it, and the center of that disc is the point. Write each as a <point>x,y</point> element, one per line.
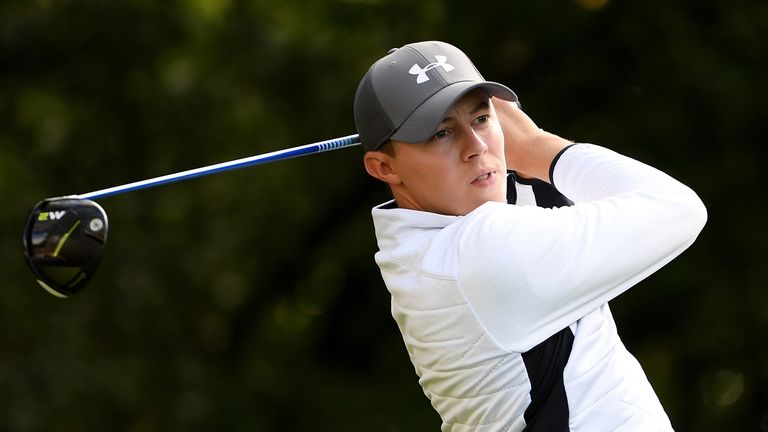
<point>502,303</point>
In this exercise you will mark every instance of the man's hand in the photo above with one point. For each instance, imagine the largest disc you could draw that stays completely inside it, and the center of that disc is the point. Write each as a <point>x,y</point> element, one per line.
<point>528,149</point>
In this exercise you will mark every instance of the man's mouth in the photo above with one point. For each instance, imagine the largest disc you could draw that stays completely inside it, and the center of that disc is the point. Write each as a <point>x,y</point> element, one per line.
<point>485,177</point>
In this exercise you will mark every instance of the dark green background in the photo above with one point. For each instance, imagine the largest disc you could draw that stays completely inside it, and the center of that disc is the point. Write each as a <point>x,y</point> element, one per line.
<point>249,301</point>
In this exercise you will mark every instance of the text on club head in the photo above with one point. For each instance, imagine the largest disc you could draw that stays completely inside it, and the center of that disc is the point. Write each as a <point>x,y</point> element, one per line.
<point>54,215</point>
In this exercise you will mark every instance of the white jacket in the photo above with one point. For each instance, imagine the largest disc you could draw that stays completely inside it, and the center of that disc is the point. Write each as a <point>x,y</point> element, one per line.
<point>504,311</point>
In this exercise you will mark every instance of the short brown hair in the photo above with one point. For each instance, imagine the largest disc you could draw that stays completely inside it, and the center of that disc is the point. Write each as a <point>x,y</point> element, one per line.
<point>387,148</point>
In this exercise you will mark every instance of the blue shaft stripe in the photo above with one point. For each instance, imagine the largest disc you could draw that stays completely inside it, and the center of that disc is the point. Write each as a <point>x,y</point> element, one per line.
<point>318,147</point>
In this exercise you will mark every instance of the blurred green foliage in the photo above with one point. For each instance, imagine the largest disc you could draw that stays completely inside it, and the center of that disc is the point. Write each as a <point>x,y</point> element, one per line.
<point>250,300</point>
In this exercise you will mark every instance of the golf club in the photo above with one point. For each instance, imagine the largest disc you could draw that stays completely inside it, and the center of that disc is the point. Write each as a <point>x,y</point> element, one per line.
<point>64,237</point>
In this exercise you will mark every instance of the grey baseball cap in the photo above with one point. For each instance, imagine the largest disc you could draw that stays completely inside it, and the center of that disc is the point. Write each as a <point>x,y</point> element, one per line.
<point>406,94</point>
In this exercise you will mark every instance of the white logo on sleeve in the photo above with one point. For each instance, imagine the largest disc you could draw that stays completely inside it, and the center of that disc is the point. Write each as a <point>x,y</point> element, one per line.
<point>421,74</point>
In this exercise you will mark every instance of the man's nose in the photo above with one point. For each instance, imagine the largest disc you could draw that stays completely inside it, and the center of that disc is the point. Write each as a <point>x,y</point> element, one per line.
<point>473,145</point>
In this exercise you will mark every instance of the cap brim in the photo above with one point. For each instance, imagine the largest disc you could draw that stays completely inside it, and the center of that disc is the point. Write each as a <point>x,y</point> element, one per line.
<point>422,124</point>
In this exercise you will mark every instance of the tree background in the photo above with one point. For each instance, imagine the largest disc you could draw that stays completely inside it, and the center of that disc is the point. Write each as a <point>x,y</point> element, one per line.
<point>250,301</point>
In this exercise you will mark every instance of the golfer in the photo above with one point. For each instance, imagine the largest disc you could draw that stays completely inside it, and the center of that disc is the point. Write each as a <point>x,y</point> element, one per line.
<point>504,244</point>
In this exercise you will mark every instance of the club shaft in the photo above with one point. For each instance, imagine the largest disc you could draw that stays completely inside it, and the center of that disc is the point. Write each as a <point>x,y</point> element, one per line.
<point>318,147</point>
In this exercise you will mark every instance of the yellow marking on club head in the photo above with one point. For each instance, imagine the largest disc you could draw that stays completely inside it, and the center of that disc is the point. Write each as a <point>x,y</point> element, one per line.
<point>51,290</point>
<point>43,216</point>
<point>64,239</point>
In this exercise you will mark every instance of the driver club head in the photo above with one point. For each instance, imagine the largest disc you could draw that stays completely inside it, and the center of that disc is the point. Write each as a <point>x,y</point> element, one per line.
<point>63,243</point>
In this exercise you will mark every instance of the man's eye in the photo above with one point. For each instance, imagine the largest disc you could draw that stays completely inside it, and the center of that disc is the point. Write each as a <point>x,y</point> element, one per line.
<point>483,118</point>
<point>440,134</point>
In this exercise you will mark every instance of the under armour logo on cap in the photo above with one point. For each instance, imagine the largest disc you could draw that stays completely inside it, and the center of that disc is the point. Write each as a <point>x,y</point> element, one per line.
<point>421,74</point>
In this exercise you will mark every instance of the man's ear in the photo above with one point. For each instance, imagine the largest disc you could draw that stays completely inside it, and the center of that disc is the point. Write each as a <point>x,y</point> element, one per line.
<point>380,165</point>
